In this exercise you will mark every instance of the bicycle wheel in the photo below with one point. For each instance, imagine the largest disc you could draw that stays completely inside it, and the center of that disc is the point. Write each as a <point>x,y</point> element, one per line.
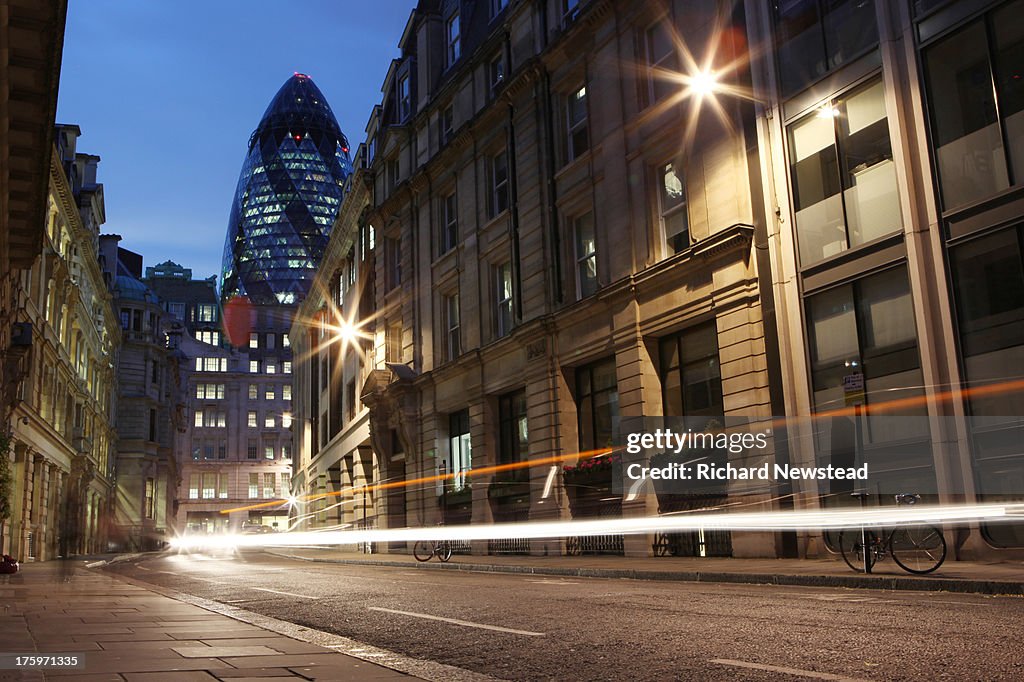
<point>444,551</point>
<point>853,551</point>
<point>918,549</point>
<point>422,550</point>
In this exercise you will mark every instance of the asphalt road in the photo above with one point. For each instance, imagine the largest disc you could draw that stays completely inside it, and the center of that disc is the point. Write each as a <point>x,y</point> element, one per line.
<point>539,628</point>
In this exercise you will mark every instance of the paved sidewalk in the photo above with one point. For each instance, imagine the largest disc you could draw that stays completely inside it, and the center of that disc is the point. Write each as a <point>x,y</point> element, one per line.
<point>952,576</point>
<point>128,633</point>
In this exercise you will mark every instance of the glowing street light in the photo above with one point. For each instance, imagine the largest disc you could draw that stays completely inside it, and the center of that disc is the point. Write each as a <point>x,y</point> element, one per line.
<point>703,83</point>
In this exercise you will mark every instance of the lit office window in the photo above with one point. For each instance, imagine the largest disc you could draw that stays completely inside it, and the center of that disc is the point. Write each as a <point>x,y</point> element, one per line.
<point>503,296</point>
<point>460,450</point>
<point>597,404</point>
<point>844,179</point>
<point>586,255</point>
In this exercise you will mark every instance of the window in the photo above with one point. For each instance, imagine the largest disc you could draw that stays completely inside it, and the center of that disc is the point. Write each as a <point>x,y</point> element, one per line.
<point>209,485</point>
<point>350,399</point>
<point>976,157</point>
<point>251,419</point>
<point>211,364</point>
<point>817,36</point>
<point>449,223</point>
<point>271,368</point>
<point>286,391</point>
<point>125,317</point>
<point>586,256</point>
<point>988,281</point>
<point>674,220</point>
<point>393,343</point>
<point>222,449</point>
<point>251,450</point>
<point>254,486</point>
<point>497,6</point>
<point>503,303</point>
<point>392,262</point>
<point>193,487</point>
<point>499,183</point>
<point>254,340</point>
<point>450,311</point>
<point>454,43</point>
<point>496,73</point>
<point>286,367</point>
<point>208,337</point>
<point>268,452</point>
<point>206,312</point>
<point>222,486</point>
<point>270,341</point>
<point>147,503</point>
<point>864,328</point>
<point>269,392</point>
<point>447,123</point>
<point>177,310</point>
<point>691,381</point>
<point>577,139</point>
<point>253,392</point>
<point>254,366</point>
<point>269,484</point>
<point>269,421</point>
<point>199,417</point>
<point>514,440</point>
<point>844,179</point>
<point>404,98</point>
<point>285,341</point>
<point>197,450</point>
<point>460,448</point>
<point>662,62</point>
<point>394,176</point>
<point>597,404</point>
<point>210,391</point>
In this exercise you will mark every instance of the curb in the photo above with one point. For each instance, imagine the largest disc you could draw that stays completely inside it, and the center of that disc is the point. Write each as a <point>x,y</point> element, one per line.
<point>920,584</point>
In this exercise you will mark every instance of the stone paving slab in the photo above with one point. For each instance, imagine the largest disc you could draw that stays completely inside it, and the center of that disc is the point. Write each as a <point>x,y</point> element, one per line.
<point>128,633</point>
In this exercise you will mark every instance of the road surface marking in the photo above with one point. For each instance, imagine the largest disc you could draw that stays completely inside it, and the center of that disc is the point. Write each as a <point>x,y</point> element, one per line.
<point>142,568</point>
<point>785,671</point>
<point>455,621</point>
<point>552,582</point>
<point>289,594</point>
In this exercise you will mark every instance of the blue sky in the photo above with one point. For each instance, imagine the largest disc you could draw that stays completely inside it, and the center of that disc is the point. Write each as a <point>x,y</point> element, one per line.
<point>168,92</point>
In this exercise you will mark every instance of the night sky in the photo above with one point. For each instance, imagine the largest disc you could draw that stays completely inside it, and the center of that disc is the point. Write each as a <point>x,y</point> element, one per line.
<point>167,94</point>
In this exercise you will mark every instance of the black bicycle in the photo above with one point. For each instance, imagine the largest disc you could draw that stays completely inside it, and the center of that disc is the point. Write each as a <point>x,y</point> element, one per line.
<point>915,549</point>
<point>423,550</point>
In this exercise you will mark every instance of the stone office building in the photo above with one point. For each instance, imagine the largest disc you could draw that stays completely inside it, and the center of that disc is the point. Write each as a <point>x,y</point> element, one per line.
<point>555,236</point>
<point>67,338</point>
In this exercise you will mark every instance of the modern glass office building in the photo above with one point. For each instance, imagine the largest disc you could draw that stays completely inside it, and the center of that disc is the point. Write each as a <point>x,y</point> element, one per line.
<point>287,197</point>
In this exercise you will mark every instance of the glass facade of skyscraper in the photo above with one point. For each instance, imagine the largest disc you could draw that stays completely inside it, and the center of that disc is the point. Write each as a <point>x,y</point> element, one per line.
<point>287,197</point>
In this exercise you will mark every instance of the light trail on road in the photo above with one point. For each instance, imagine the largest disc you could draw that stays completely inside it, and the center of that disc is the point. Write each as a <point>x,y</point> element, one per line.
<point>749,521</point>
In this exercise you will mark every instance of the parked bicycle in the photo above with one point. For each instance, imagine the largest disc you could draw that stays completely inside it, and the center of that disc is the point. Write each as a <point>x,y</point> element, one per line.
<point>915,549</point>
<point>423,550</point>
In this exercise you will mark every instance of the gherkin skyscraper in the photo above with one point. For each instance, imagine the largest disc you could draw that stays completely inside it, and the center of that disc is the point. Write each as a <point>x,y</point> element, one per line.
<point>287,198</point>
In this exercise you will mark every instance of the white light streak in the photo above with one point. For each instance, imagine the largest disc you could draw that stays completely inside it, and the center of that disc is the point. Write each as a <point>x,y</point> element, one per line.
<point>751,521</point>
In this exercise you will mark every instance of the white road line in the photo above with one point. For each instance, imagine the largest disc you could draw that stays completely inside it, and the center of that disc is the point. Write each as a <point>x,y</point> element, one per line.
<point>289,594</point>
<point>142,568</point>
<point>785,671</point>
<point>552,582</point>
<point>455,621</point>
